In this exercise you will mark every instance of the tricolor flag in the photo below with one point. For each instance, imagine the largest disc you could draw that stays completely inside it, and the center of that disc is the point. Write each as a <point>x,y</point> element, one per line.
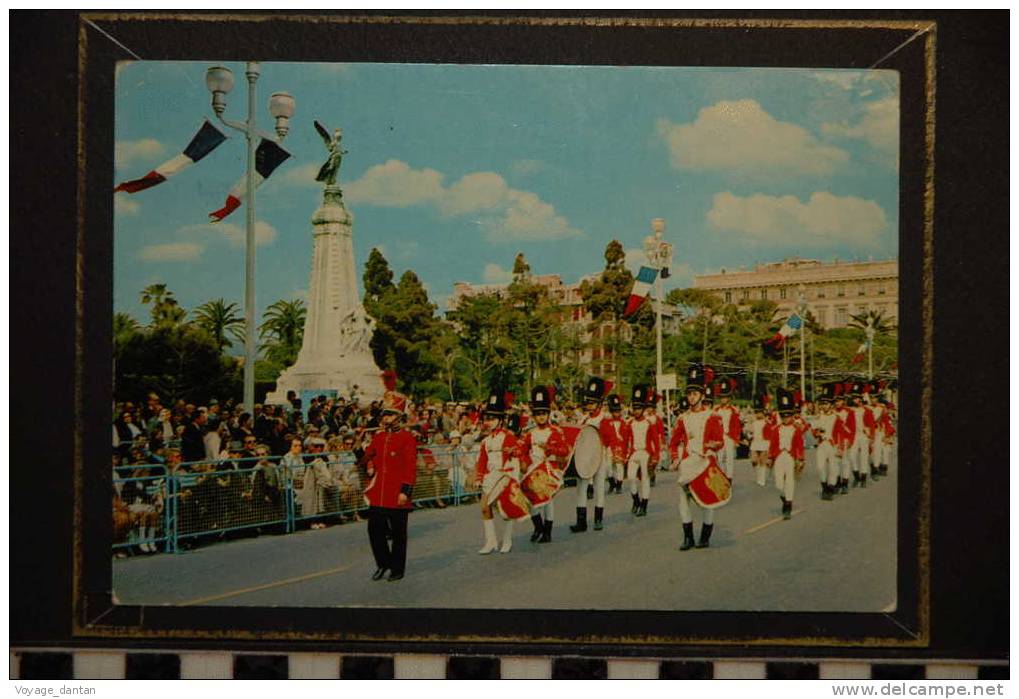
<point>268,156</point>
<point>204,142</point>
<point>861,352</point>
<point>772,345</point>
<point>641,288</point>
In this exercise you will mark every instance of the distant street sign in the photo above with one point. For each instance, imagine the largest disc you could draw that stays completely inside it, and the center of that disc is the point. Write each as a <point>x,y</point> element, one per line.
<point>666,382</point>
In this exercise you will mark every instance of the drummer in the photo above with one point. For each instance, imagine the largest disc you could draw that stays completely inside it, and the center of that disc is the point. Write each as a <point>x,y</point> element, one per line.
<point>543,446</point>
<point>593,395</point>
<point>701,434</point>
<point>496,462</point>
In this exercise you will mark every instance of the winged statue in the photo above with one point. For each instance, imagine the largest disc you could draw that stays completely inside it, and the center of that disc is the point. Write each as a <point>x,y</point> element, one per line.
<point>330,168</point>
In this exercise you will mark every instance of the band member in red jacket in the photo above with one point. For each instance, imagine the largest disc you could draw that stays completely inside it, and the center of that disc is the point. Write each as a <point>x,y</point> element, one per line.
<point>859,450</point>
<point>641,444</point>
<point>730,422</point>
<point>657,429</point>
<point>497,463</point>
<point>830,433</point>
<point>613,426</point>
<point>700,433</point>
<point>884,437</point>
<point>593,395</point>
<point>848,434</point>
<point>391,461</point>
<point>543,447</point>
<point>786,450</point>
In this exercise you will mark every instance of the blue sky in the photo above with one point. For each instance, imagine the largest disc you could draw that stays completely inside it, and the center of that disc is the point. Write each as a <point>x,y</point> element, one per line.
<point>452,170</point>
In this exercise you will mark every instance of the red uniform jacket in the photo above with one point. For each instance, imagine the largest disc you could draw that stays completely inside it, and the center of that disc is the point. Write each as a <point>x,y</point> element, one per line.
<point>611,430</point>
<point>885,424</point>
<point>771,433</point>
<point>869,425</point>
<point>556,447</point>
<point>714,436</point>
<point>658,428</point>
<point>652,445</point>
<point>848,434</point>
<point>393,456</point>
<point>509,451</point>
<point>731,422</point>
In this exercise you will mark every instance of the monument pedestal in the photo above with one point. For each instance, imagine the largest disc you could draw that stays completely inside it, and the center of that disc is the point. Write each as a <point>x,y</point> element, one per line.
<point>335,352</point>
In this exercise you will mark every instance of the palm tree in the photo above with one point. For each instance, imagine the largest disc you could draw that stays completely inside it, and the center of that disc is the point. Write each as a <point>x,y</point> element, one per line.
<point>166,312</point>
<point>220,320</point>
<point>282,330</point>
<point>875,320</point>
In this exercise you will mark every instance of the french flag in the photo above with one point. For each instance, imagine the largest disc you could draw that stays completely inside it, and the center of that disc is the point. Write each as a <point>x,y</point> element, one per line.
<point>268,156</point>
<point>861,352</point>
<point>204,142</point>
<point>641,288</point>
<point>774,344</point>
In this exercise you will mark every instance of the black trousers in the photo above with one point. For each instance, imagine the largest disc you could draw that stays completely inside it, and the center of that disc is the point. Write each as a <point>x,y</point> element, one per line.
<point>384,522</point>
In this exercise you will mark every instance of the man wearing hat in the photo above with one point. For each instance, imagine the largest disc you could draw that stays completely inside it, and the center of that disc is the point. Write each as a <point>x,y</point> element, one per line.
<point>594,392</point>
<point>545,443</point>
<point>885,435</point>
<point>732,424</point>
<point>758,442</point>
<point>657,431</point>
<point>700,433</point>
<point>391,461</point>
<point>641,448</point>
<point>844,440</point>
<point>829,431</point>
<point>859,451</point>
<point>615,424</point>
<point>878,446</point>
<point>786,450</point>
<point>497,461</point>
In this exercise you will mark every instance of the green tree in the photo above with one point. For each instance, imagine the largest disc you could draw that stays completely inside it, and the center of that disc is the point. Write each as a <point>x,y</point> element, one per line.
<point>282,331</point>
<point>605,299</point>
<point>485,349</point>
<point>378,281</point>
<point>530,316</point>
<point>221,321</point>
<point>166,311</point>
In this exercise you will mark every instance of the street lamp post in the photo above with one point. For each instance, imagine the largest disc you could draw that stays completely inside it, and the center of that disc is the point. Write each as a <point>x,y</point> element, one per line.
<point>803,342</point>
<point>870,349</point>
<point>659,255</point>
<point>220,81</point>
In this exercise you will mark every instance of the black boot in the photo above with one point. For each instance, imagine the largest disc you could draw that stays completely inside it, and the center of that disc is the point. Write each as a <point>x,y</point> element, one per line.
<point>687,536</point>
<point>874,472</point>
<point>546,532</point>
<point>598,512</point>
<point>539,527</point>
<point>827,491</point>
<point>863,480</point>
<point>581,525</point>
<point>642,510</point>
<point>845,486</point>
<point>883,468</point>
<point>705,535</point>
<point>636,504</point>
<point>787,509</point>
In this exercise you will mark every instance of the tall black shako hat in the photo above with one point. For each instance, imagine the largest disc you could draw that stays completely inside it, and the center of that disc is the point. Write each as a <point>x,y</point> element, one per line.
<point>699,377</point>
<point>594,392</point>
<point>827,393</point>
<point>642,396</point>
<point>615,403</point>
<point>541,399</point>
<point>495,406</point>
<point>786,401</point>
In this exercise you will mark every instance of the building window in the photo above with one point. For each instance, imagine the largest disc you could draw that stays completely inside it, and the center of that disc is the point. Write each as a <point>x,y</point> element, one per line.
<point>822,317</point>
<point>881,289</point>
<point>781,293</point>
<point>840,316</point>
<point>861,290</point>
<point>744,294</point>
<point>842,290</point>
<point>728,297</point>
<point>764,294</point>
<point>820,292</point>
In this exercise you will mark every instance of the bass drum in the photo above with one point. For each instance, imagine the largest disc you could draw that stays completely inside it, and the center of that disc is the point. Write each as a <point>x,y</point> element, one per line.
<point>587,454</point>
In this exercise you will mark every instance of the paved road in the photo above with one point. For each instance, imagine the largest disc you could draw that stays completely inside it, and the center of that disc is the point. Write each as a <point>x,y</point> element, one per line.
<point>832,556</point>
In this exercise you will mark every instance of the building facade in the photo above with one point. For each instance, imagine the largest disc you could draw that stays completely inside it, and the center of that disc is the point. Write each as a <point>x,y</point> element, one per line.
<point>834,291</point>
<point>596,353</point>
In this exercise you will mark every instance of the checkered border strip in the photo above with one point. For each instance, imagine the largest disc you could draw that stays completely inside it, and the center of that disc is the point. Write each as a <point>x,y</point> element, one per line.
<point>55,664</point>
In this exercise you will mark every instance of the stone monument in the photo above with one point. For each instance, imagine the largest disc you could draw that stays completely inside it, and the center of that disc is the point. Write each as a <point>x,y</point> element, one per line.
<point>334,355</point>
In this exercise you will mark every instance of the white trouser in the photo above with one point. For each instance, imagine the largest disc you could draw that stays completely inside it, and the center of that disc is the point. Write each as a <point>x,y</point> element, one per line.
<point>827,463</point>
<point>761,467</point>
<point>617,471</point>
<point>879,452</point>
<point>859,453</point>
<point>727,456</point>
<point>686,513</point>
<point>547,511</point>
<point>638,464</point>
<point>599,484</point>
<point>785,475</point>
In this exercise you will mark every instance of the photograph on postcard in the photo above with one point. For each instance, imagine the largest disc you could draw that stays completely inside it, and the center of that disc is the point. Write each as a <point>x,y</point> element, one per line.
<point>505,337</point>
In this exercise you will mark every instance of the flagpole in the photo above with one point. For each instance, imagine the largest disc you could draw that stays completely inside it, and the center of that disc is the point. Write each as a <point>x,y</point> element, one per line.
<point>870,349</point>
<point>803,344</point>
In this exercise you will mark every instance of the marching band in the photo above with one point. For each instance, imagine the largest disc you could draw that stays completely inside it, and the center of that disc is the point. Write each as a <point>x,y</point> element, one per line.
<point>523,460</point>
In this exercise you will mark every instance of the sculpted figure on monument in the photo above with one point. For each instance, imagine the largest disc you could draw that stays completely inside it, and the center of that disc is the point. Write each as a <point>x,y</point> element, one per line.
<point>356,329</point>
<point>330,169</point>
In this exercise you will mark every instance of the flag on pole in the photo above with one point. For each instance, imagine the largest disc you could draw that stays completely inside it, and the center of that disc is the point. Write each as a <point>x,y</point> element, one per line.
<point>641,289</point>
<point>203,143</point>
<point>268,156</point>
<point>774,344</point>
<point>861,352</point>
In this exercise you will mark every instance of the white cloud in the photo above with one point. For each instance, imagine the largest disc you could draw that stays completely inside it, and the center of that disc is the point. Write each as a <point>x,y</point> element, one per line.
<point>502,212</point>
<point>124,205</point>
<point>741,137</point>
<point>878,126</point>
<point>634,259</point>
<point>303,176</point>
<point>494,274</point>
<point>845,79</point>
<point>126,152</point>
<point>233,233</point>
<point>172,252</point>
<point>824,219</point>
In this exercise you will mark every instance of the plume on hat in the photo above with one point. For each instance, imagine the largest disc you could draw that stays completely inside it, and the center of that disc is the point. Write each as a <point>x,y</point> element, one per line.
<point>389,379</point>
